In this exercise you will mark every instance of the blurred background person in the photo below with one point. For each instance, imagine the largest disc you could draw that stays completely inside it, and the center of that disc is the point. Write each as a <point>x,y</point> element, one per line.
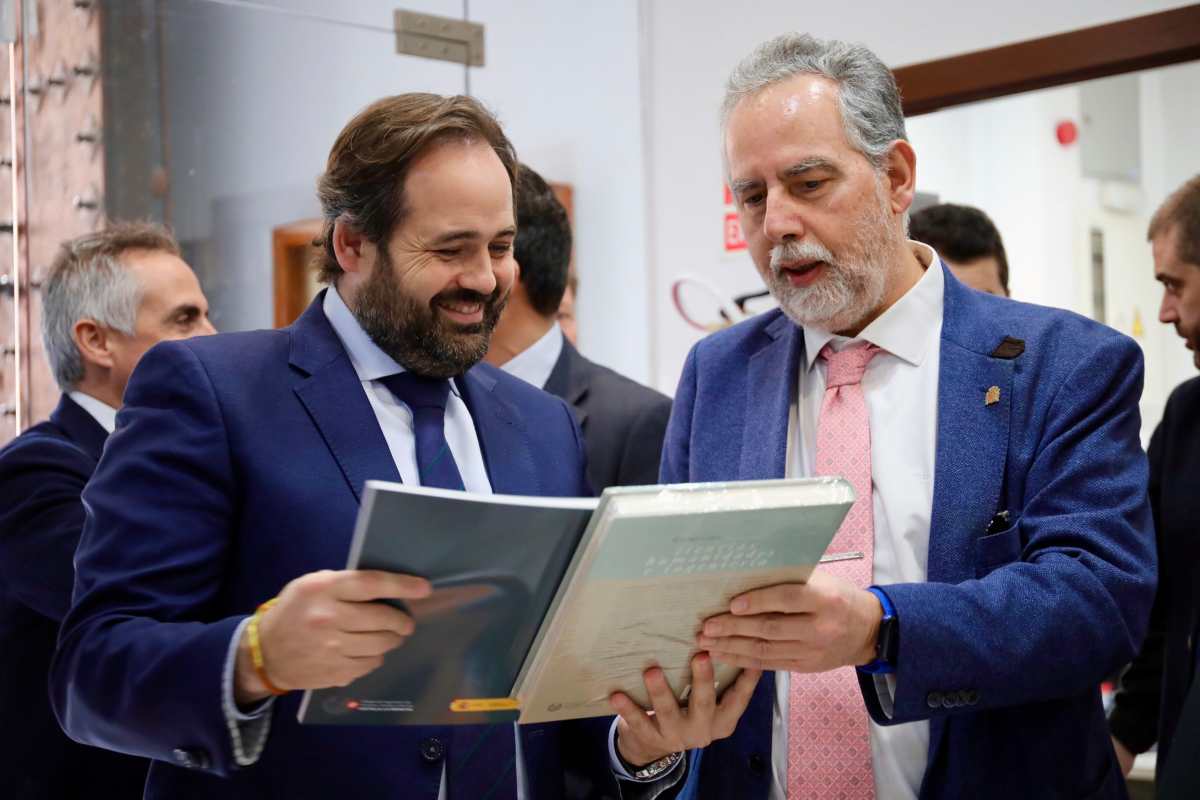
<point>623,422</point>
<point>1150,699</point>
<point>108,298</point>
<point>967,241</point>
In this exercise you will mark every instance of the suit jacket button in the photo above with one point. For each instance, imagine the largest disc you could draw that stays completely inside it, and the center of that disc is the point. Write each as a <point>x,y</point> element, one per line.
<point>972,697</point>
<point>934,699</point>
<point>757,764</point>
<point>432,749</point>
<point>184,758</point>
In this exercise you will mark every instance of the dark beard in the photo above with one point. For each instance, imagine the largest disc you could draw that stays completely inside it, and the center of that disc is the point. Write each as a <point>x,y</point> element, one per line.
<point>417,337</point>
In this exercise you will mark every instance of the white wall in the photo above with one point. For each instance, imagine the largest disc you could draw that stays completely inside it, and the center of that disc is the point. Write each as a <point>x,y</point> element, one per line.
<point>692,46</point>
<point>563,78</point>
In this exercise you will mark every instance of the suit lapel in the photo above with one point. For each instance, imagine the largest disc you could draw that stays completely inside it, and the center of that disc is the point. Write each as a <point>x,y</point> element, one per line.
<point>771,382</point>
<point>972,448</point>
<point>974,416</point>
<point>81,426</point>
<point>334,397</point>
<point>569,380</point>
<point>502,435</point>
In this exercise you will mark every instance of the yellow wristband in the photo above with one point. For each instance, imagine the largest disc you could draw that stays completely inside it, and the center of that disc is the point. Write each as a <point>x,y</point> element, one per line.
<point>256,653</point>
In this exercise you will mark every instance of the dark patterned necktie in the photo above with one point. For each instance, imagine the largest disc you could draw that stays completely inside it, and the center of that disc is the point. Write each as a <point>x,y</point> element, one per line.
<point>426,398</point>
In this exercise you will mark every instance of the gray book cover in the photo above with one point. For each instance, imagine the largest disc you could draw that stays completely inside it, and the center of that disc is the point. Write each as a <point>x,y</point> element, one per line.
<point>495,563</point>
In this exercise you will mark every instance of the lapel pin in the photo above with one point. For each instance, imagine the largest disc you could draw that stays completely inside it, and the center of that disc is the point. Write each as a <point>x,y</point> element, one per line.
<point>993,396</point>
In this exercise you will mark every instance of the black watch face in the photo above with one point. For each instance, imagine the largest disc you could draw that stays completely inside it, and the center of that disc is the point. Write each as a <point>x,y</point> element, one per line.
<point>887,644</point>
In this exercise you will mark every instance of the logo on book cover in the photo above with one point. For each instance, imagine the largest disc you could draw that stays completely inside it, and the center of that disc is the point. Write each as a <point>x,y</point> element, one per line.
<point>338,705</point>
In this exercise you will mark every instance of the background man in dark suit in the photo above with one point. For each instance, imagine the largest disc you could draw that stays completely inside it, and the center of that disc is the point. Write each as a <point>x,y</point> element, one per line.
<point>623,422</point>
<point>107,298</point>
<point>994,448</point>
<point>1151,695</point>
<point>236,474</point>
<point>968,242</point>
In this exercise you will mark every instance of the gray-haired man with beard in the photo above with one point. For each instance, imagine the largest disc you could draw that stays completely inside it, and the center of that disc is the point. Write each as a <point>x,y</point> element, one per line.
<point>1007,552</point>
<point>210,590</point>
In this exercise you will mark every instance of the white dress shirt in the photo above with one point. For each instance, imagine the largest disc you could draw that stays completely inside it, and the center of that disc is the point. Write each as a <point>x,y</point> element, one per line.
<point>99,410</point>
<point>900,387</point>
<point>535,363</point>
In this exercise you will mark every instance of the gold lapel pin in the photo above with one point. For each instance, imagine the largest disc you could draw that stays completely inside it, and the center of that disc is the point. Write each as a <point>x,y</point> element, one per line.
<point>992,396</point>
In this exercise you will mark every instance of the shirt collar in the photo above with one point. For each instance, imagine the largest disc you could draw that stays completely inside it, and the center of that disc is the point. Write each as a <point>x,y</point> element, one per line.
<point>908,328</point>
<point>370,363</point>
<point>535,363</point>
<point>102,412</point>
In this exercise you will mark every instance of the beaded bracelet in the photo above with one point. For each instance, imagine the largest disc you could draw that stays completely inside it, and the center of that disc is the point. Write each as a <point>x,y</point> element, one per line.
<point>256,653</point>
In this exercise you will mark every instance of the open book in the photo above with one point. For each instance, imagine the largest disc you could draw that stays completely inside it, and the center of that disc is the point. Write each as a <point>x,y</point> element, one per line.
<point>542,607</point>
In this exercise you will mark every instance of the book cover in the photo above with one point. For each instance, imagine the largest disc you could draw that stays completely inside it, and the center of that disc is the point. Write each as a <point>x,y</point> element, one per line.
<point>495,563</point>
<point>542,607</point>
<point>657,562</point>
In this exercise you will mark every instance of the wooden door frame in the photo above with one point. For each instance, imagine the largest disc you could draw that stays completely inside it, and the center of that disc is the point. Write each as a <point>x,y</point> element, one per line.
<point>1153,40</point>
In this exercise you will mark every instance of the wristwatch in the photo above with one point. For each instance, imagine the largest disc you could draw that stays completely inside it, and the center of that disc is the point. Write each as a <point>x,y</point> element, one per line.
<point>887,643</point>
<point>655,768</point>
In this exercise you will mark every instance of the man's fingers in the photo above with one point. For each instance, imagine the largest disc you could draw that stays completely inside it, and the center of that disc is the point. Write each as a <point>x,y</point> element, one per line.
<point>787,598</point>
<point>703,698</point>
<point>372,584</point>
<point>361,645</point>
<point>736,660</point>
<point>776,626</point>
<point>761,649</point>
<point>366,617</point>
<point>666,707</point>
<point>641,727</point>
<point>733,703</point>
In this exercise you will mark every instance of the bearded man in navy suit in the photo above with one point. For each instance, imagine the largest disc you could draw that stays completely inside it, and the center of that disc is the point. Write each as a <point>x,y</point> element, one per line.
<point>235,477</point>
<point>106,299</point>
<point>1006,551</point>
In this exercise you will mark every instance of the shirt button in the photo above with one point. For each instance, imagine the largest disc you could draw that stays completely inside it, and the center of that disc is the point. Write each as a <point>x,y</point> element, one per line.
<point>432,749</point>
<point>934,699</point>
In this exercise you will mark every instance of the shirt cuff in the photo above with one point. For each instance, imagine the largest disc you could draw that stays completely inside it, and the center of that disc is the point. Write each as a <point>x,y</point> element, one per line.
<point>675,773</point>
<point>247,731</point>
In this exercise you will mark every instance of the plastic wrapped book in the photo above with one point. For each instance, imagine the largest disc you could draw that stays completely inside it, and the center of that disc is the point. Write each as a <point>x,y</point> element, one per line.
<point>542,607</point>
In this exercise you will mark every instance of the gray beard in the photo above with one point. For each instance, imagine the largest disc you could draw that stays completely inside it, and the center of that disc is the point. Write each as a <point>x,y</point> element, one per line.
<point>851,287</point>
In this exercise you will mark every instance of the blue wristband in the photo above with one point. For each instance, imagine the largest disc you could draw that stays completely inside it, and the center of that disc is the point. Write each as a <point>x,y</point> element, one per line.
<point>887,630</point>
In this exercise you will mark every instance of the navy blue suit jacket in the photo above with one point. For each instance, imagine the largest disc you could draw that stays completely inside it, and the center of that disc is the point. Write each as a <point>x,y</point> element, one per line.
<point>1004,646</point>
<point>42,473</point>
<point>237,466</point>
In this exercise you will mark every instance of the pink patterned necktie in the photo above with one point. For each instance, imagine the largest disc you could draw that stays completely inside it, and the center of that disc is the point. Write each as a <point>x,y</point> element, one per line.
<point>829,746</point>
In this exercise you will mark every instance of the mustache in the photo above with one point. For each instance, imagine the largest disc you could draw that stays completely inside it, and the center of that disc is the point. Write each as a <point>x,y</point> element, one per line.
<point>467,296</point>
<point>790,251</point>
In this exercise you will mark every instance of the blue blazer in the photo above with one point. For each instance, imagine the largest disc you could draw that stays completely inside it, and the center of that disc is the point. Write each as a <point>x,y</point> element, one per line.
<point>237,466</point>
<point>1004,646</point>
<point>42,473</point>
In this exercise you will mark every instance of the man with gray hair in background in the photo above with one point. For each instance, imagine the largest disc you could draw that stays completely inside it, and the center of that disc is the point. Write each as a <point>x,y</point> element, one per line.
<point>1001,553</point>
<point>108,297</point>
